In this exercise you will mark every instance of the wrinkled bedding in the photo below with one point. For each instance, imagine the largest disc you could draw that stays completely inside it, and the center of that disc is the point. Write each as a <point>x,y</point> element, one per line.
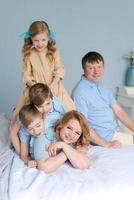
<point>6,156</point>
<point>110,177</point>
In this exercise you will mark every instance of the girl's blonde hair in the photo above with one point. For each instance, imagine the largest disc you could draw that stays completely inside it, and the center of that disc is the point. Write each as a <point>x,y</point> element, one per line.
<point>35,28</point>
<point>83,140</point>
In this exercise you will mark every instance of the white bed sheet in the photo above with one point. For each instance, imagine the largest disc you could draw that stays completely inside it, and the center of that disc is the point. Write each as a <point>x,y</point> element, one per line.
<point>110,177</point>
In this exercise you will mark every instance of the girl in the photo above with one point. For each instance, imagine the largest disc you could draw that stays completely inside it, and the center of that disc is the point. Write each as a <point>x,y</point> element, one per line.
<point>41,63</point>
<point>72,133</point>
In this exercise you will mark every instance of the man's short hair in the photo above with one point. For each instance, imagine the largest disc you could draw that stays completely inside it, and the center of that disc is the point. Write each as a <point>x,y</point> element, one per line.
<point>92,57</point>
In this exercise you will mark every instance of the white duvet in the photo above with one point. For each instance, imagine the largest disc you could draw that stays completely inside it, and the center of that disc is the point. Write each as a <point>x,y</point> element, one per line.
<point>110,177</point>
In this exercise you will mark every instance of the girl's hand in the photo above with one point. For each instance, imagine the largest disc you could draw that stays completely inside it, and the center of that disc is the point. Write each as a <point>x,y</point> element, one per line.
<point>54,82</point>
<point>52,88</point>
<point>53,148</point>
<point>31,83</point>
<point>32,163</point>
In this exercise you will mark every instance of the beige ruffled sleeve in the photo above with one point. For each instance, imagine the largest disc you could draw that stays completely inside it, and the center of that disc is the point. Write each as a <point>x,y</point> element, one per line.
<point>58,67</point>
<point>27,74</point>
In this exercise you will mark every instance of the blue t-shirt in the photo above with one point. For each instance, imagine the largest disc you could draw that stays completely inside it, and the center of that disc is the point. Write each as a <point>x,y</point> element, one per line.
<point>95,101</point>
<point>35,143</point>
<point>40,142</point>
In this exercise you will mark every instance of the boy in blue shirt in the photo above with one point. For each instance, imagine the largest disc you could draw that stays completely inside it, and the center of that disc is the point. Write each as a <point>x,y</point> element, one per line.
<point>50,107</point>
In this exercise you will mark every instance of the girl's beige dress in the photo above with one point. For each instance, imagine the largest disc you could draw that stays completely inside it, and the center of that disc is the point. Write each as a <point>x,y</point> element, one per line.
<point>39,68</point>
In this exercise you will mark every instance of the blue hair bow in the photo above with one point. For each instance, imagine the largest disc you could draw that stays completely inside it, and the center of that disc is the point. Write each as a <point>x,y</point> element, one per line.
<point>26,35</point>
<point>52,36</point>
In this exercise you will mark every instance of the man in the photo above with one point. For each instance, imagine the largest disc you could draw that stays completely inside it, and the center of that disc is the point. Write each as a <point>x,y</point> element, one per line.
<point>97,103</point>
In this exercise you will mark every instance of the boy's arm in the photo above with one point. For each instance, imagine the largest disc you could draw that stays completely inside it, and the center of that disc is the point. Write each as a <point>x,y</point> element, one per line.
<point>24,137</point>
<point>14,137</point>
<point>24,152</point>
<point>24,156</point>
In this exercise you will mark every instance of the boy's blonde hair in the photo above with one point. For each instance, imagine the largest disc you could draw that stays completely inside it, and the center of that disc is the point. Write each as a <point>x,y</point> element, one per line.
<point>83,141</point>
<point>28,114</point>
<point>38,94</point>
<point>36,28</point>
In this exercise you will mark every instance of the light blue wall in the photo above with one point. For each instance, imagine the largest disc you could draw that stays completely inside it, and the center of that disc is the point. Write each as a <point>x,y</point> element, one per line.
<point>80,26</point>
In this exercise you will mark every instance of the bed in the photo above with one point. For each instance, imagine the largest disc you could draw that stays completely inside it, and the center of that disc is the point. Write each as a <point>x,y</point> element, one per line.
<point>111,175</point>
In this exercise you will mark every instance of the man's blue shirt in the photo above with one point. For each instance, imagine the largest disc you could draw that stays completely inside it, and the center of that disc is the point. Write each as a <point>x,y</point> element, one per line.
<point>95,101</point>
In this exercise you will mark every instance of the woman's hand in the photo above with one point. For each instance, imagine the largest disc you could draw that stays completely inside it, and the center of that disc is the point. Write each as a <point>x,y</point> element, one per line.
<point>53,148</point>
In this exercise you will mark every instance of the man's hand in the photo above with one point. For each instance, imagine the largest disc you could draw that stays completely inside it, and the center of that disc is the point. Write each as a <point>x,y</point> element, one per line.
<point>115,144</point>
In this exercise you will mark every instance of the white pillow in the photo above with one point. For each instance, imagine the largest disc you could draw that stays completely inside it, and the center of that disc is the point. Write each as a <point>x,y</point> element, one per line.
<point>4,132</point>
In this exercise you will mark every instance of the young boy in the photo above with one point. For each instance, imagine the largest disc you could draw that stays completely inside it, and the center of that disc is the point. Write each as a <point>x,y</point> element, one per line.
<point>51,107</point>
<point>32,126</point>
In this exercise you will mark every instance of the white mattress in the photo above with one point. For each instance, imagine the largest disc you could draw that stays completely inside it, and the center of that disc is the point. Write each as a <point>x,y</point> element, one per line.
<point>111,177</point>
